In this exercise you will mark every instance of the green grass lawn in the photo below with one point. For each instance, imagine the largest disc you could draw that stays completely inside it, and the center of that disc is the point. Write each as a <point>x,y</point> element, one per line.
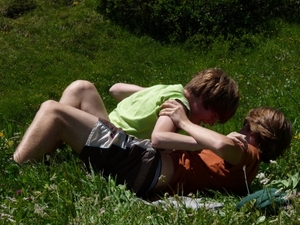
<point>44,50</point>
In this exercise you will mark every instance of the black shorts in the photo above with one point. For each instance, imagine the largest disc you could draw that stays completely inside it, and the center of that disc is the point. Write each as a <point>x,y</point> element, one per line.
<point>132,161</point>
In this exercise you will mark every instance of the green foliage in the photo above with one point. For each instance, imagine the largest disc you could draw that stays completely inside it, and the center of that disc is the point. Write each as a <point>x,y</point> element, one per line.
<point>198,22</point>
<point>291,183</point>
<point>45,49</point>
<point>16,8</point>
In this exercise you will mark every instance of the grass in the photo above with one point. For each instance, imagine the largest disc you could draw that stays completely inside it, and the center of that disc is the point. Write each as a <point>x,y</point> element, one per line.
<point>47,48</point>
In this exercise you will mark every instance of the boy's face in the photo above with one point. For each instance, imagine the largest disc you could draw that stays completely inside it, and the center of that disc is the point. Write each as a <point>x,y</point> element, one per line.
<point>200,115</point>
<point>249,136</point>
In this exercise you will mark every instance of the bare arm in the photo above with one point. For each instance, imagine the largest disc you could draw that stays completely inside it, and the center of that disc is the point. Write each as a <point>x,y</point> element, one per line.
<point>121,90</point>
<point>164,136</point>
<point>239,139</point>
<point>221,145</point>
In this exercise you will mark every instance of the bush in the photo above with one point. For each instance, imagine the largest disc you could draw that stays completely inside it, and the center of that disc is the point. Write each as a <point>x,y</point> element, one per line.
<point>16,8</point>
<point>203,20</point>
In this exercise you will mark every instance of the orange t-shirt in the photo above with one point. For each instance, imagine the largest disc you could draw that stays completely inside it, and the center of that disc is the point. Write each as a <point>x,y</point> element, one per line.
<point>204,170</point>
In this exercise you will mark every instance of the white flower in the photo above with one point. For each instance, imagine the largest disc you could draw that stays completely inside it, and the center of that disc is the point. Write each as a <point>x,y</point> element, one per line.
<point>260,176</point>
<point>265,181</point>
<point>39,209</point>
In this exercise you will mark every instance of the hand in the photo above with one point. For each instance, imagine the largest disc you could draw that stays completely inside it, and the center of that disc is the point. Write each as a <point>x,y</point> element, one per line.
<point>239,139</point>
<point>175,111</point>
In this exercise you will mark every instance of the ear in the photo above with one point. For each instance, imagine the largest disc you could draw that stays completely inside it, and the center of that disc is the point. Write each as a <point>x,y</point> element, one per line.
<point>252,140</point>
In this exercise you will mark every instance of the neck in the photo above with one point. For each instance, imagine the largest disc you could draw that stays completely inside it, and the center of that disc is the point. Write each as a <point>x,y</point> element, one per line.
<point>188,95</point>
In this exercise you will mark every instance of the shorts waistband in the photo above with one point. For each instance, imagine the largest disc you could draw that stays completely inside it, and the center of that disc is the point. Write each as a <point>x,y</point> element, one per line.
<point>156,175</point>
<point>153,176</point>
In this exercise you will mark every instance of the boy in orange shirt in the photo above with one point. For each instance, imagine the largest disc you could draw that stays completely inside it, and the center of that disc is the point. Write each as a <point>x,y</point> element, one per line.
<point>223,166</point>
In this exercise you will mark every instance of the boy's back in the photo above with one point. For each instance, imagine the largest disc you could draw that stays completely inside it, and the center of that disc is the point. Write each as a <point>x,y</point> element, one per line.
<point>138,113</point>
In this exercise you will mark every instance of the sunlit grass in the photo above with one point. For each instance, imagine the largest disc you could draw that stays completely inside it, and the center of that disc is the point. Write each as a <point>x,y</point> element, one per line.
<point>46,49</point>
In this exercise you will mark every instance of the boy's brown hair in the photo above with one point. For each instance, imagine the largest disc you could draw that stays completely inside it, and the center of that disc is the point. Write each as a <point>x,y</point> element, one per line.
<point>272,132</point>
<point>218,91</point>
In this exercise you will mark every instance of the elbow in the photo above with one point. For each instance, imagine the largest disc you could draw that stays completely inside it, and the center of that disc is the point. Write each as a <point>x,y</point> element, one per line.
<point>114,90</point>
<point>156,141</point>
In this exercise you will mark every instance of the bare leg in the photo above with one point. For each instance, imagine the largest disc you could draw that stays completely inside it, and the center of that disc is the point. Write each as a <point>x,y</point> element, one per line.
<point>83,95</point>
<point>54,121</point>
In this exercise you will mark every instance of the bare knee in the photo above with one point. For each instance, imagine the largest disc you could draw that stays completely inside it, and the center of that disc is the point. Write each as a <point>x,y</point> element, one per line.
<point>81,87</point>
<point>49,107</point>
<point>51,111</point>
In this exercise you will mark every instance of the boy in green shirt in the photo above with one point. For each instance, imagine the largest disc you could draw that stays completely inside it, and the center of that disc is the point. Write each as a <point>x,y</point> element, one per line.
<point>209,97</point>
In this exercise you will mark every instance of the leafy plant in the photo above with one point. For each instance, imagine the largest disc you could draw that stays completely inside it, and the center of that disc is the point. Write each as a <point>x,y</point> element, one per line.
<point>291,184</point>
<point>16,8</point>
<point>198,21</point>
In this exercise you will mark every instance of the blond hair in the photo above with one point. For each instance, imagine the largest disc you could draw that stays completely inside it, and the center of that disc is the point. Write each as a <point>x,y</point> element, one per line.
<point>218,91</point>
<point>272,132</point>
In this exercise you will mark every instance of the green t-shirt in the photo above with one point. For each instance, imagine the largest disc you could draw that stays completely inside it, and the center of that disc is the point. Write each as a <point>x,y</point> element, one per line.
<point>138,113</point>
